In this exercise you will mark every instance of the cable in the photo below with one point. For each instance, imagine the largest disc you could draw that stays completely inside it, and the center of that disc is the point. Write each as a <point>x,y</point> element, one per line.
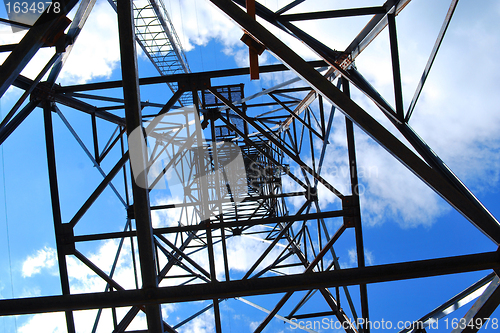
<point>7,231</point>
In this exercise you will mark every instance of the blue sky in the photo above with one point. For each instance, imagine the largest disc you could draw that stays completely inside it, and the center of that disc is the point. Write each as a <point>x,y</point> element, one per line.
<point>457,116</point>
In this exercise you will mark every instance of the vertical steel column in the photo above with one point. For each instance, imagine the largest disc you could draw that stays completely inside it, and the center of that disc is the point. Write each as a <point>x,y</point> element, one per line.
<point>220,198</point>
<point>204,198</point>
<point>353,168</point>
<point>131,95</point>
<point>56,210</point>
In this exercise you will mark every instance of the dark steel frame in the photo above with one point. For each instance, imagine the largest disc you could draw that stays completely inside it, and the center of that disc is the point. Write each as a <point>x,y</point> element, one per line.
<point>282,135</point>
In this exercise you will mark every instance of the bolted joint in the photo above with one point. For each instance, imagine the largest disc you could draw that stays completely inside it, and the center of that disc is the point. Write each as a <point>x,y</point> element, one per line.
<point>206,223</point>
<point>293,249</point>
<point>57,32</point>
<point>344,61</point>
<point>350,205</point>
<point>312,194</point>
<point>211,114</point>
<point>190,83</point>
<point>62,43</point>
<point>67,238</point>
<point>130,212</point>
<point>44,91</point>
<point>236,231</point>
<point>149,293</point>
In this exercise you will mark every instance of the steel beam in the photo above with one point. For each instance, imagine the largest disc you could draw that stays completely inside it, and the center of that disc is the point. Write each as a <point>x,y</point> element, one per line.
<point>15,24</point>
<point>100,188</point>
<point>248,287</point>
<point>133,119</point>
<point>428,66</point>
<point>393,8</point>
<point>481,310</point>
<point>191,77</point>
<point>273,312</point>
<point>479,217</point>
<point>7,130</point>
<point>454,303</point>
<point>295,115</point>
<point>289,6</point>
<point>60,229</point>
<point>171,261</point>
<point>333,13</point>
<point>31,43</point>
<point>396,70</point>
<point>213,226</point>
<point>28,91</point>
<point>74,30</point>
<point>89,154</point>
<point>27,84</point>
<point>373,28</point>
<point>273,139</point>
<point>268,155</point>
<point>273,243</point>
<point>360,250</point>
<point>276,315</point>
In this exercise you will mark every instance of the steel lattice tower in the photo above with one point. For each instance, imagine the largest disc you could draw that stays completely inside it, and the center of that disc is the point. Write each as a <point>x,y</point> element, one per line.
<point>188,261</point>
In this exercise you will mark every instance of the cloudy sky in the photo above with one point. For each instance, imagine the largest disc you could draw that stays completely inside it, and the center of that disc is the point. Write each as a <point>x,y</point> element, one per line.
<point>457,115</point>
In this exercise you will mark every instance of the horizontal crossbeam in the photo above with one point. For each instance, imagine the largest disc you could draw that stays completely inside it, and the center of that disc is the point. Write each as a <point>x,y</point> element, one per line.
<point>249,287</point>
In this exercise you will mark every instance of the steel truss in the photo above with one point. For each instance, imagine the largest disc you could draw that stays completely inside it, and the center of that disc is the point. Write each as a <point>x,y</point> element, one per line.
<point>156,35</point>
<point>179,262</point>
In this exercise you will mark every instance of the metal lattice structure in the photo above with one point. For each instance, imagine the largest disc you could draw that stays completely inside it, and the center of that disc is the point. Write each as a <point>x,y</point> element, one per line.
<point>186,260</point>
<point>156,35</point>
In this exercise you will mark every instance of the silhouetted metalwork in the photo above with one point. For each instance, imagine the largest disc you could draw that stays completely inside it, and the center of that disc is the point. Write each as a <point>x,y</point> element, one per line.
<point>275,134</point>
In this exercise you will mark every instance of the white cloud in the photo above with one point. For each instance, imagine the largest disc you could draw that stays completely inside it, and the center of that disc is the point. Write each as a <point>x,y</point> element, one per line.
<point>45,258</point>
<point>37,62</point>
<point>84,280</point>
<point>253,325</point>
<point>45,323</point>
<point>166,217</point>
<point>456,111</point>
<point>96,52</point>
<point>201,324</point>
<point>94,55</point>
<point>353,257</point>
<point>84,322</point>
<point>393,191</point>
<point>196,22</point>
<point>388,190</point>
<point>456,115</point>
<point>31,292</point>
<point>199,22</point>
